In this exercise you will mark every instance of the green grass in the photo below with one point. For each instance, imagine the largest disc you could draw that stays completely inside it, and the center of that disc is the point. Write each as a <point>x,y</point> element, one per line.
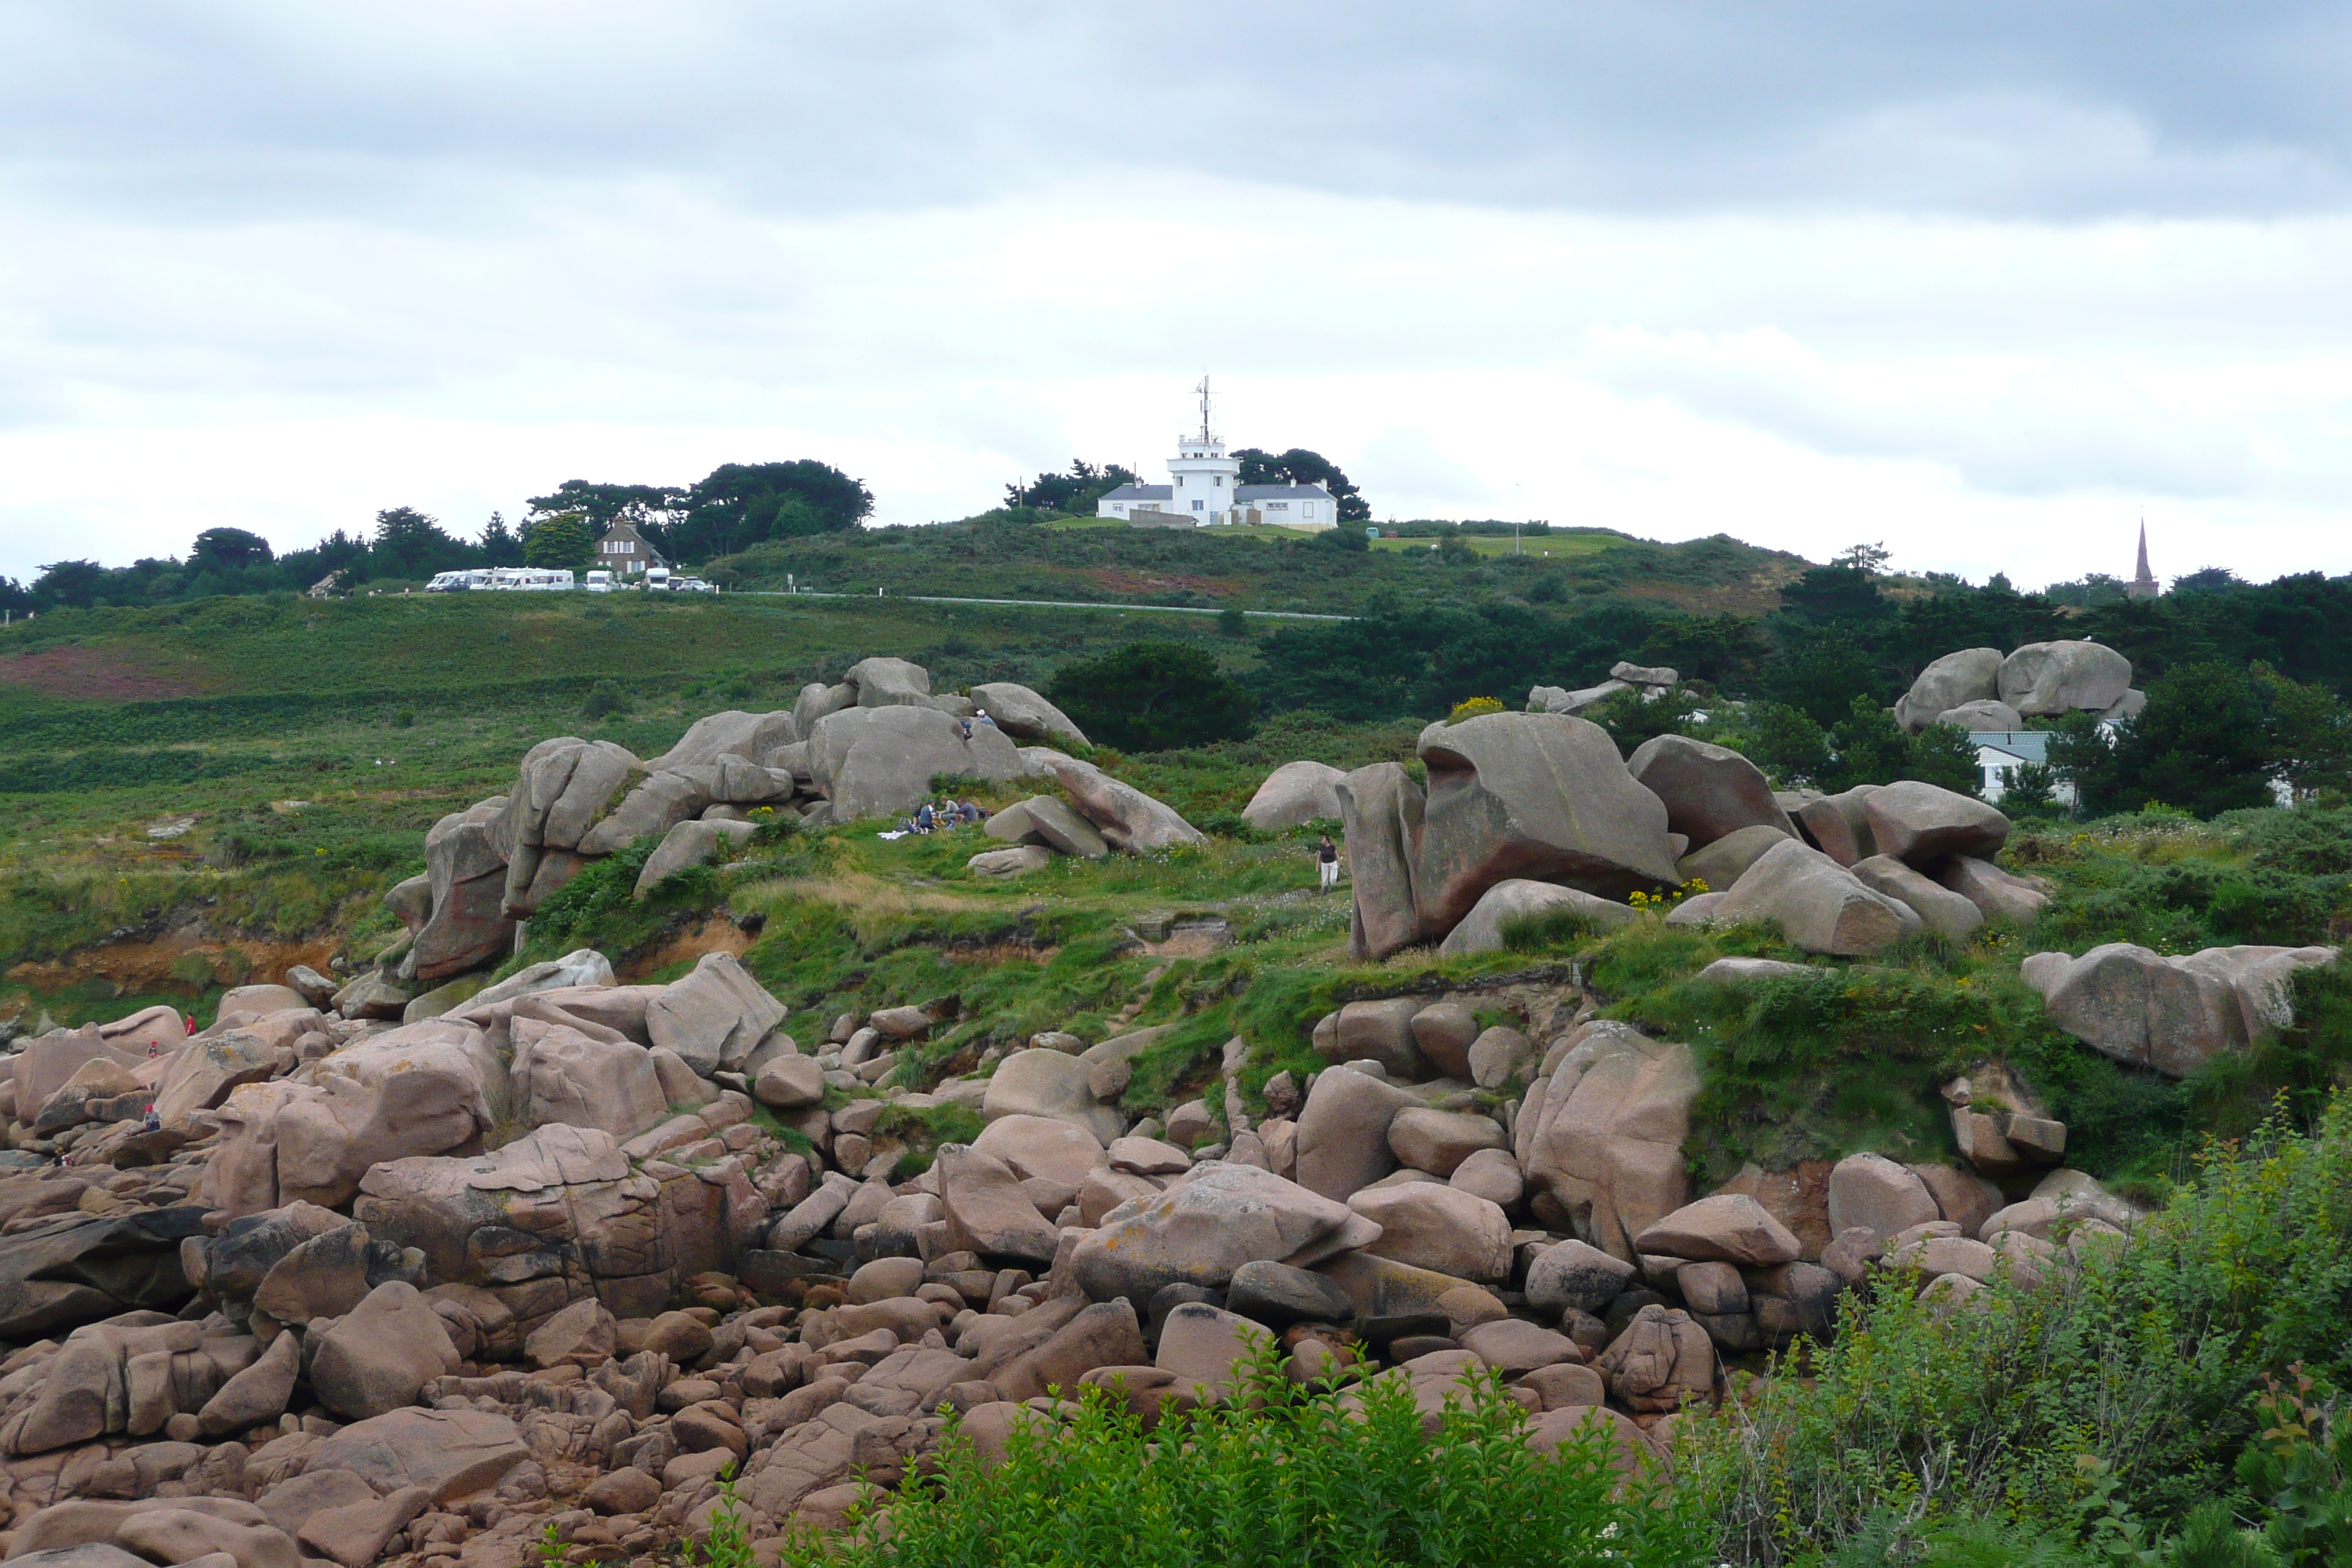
<point>1529,547</point>
<point>1005,556</point>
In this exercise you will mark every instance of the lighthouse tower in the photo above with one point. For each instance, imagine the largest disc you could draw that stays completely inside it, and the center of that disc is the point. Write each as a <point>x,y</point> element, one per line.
<point>1201,478</point>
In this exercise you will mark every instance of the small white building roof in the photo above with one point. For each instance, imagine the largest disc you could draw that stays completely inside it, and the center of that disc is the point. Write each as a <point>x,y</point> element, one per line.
<point>1141,492</point>
<point>2025,745</point>
<point>1281,492</point>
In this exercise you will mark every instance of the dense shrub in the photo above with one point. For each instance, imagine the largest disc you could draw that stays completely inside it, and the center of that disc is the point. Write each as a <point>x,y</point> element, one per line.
<point>1282,1478</point>
<point>2112,1403</point>
<point>1153,695</point>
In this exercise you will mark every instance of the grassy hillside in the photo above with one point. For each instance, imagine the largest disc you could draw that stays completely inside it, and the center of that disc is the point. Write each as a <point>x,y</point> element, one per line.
<point>257,769</point>
<point>1017,556</point>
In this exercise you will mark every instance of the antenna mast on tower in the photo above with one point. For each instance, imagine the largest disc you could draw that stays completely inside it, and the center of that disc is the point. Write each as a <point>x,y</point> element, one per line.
<point>1203,390</point>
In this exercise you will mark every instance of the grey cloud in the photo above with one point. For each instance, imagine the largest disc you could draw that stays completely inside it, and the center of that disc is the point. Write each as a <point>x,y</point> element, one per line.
<point>2013,107</point>
<point>2033,435</point>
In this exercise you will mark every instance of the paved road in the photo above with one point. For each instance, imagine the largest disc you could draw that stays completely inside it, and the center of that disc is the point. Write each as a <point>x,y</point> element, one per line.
<point>1048,604</point>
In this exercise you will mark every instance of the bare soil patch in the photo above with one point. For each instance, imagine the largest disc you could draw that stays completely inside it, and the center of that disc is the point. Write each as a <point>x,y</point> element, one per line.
<point>89,674</point>
<point>1120,579</point>
<point>145,967</point>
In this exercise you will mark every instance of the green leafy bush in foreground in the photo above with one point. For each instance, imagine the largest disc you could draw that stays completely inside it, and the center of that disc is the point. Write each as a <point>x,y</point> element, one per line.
<point>1284,1476</point>
<point>2113,1407</point>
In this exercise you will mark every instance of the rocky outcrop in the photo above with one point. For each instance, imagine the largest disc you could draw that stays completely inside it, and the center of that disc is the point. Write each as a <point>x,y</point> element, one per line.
<point>1921,823</point>
<point>1938,908</point>
<point>1602,1134</point>
<point>2048,679</point>
<point>565,1077</point>
<point>563,788</point>
<point>1129,819</point>
<point>693,843</point>
<point>1971,675</point>
<point>1380,808</point>
<point>1041,821</point>
<point>1482,929</point>
<point>466,875</point>
<point>1294,794</point>
<point>1839,826</point>
<point>1024,715</point>
<point>1710,792</point>
<point>1979,688</point>
<point>1719,865</point>
<point>1819,905</point>
<point>2171,1015</point>
<point>1530,796</point>
<point>879,761</point>
<point>423,1088</point>
<point>1996,892</point>
<point>1558,699</point>
<point>1204,1231</point>
<point>554,1217</point>
<point>1989,714</point>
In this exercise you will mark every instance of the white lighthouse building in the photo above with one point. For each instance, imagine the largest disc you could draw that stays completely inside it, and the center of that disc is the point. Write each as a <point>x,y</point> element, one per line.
<point>1204,490</point>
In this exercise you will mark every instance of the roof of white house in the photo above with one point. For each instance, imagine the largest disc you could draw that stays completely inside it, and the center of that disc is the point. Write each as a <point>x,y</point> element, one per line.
<point>1141,492</point>
<point>1281,492</point>
<point>2025,745</point>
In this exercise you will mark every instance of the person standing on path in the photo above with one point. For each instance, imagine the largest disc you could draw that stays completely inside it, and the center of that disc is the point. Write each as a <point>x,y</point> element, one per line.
<point>1327,865</point>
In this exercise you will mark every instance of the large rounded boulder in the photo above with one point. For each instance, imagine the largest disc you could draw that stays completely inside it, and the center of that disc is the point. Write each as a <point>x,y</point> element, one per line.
<point>1537,795</point>
<point>2043,679</point>
<point>1971,675</point>
<point>1293,794</point>
<point>1710,792</point>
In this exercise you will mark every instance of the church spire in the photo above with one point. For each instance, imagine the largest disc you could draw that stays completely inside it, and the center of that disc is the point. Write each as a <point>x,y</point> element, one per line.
<point>2143,584</point>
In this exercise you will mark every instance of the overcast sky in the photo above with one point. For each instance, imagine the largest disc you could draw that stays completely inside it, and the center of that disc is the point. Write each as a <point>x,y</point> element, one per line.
<point>1989,282</point>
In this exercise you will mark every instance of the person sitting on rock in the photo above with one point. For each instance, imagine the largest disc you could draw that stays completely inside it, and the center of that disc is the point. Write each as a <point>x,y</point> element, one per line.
<point>1327,865</point>
<point>153,1123</point>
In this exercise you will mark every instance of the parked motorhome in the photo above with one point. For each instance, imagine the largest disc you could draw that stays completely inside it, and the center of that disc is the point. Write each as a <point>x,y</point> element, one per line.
<point>532,579</point>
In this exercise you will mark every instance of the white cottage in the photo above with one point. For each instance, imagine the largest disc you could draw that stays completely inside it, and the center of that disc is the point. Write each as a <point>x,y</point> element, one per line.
<point>1999,751</point>
<point>1204,489</point>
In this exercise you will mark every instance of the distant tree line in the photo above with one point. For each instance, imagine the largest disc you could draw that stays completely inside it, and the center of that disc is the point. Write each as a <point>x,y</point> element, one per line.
<point>2246,682</point>
<point>736,505</point>
<point>1074,494</point>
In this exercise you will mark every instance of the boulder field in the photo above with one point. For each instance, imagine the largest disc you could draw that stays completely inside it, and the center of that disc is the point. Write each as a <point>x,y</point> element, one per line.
<point>369,1291</point>
<point>866,747</point>
<point>1528,813</point>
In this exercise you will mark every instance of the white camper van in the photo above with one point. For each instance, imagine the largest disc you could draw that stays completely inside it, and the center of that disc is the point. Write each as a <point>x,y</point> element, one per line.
<point>532,579</point>
<point>599,582</point>
<point>458,582</point>
<point>657,579</point>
